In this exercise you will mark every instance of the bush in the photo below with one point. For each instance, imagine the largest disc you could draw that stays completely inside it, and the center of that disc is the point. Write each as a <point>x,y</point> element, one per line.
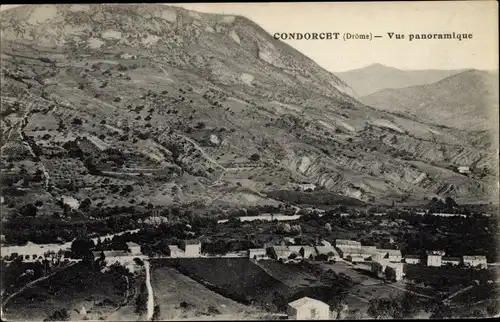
<point>255,157</point>
<point>76,121</point>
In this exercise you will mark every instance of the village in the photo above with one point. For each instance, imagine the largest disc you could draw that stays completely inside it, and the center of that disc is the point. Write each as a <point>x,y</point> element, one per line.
<point>385,264</point>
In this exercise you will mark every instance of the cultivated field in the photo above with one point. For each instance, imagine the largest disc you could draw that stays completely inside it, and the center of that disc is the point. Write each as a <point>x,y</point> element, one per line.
<point>235,278</point>
<point>181,297</point>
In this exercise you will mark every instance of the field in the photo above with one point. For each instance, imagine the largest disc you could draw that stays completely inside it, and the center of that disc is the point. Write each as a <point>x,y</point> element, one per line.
<point>180,297</point>
<point>235,278</point>
<point>71,289</point>
<point>289,274</point>
<point>446,280</point>
<point>269,285</point>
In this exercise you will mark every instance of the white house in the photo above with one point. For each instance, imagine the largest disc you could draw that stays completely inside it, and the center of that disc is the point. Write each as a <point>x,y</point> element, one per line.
<point>134,248</point>
<point>392,255</point>
<point>174,251</point>
<point>389,270</point>
<point>257,253</point>
<point>475,261</point>
<point>280,252</point>
<point>307,308</point>
<point>463,169</point>
<point>394,272</point>
<point>191,248</point>
<point>434,258</point>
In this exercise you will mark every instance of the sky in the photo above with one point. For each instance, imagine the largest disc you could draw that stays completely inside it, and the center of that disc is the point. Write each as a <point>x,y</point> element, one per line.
<point>477,17</point>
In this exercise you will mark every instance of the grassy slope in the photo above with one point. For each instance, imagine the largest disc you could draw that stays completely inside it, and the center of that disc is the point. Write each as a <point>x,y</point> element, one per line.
<point>70,289</point>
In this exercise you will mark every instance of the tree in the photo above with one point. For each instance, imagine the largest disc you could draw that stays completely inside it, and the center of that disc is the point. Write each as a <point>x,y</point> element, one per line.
<point>442,311</point>
<point>450,203</point>
<point>493,309</point>
<point>296,229</point>
<point>29,210</point>
<point>81,248</point>
<point>156,313</point>
<point>76,121</point>
<point>385,308</point>
<point>328,227</point>
<point>255,157</point>
<point>59,315</point>
<point>283,227</point>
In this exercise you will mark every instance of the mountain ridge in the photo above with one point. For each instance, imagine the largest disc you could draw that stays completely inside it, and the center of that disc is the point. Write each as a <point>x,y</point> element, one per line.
<point>375,77</point>
<point>187,107</point>
<point>465,100</point>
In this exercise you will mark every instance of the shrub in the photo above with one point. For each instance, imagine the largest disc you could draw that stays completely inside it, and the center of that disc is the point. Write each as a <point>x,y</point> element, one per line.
<point>255,157</point>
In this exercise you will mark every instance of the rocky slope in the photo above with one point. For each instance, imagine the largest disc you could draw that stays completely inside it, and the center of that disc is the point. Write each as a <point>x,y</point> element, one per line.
<point>376,77</point>
<point>468,100</point>
<point>123,104</point>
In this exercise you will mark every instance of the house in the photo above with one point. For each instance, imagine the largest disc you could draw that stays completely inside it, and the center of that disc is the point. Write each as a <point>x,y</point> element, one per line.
<point>307,252</point>
<point>191,248</point>
<point>257,253</point>
<point>475,261</point>
<point>279,252</point>
<point>134,248</point>
<point>389,270</point>
<point>392,255</point>
<point>434,258</point>
<point>412,259</point>
<point>364,251</point>
<point>463,169</point>
<point>326,253</point>
<point>174,251</point>
<point>394,272</point>
<point>454,261</point>
<point>307,308</point>
<point>295,250</point>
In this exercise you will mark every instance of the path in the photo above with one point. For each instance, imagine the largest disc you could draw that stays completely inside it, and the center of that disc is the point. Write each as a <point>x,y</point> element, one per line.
<point>33,283</point>
<point>460,291</point>
<point>151,302</point>
<point>406,290</point>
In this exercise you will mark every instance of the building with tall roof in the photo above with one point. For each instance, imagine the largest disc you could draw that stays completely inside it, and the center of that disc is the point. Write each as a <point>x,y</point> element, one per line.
<point>307,308</point>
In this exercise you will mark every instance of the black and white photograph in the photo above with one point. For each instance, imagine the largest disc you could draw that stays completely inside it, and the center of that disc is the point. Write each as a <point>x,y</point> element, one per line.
<point>249,161</point>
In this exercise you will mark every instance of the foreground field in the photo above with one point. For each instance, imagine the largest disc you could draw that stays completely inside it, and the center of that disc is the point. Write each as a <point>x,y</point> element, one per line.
<point>180,297</point>
<point>77,287</point>
<point>235,278</point>
<point>268,285</point>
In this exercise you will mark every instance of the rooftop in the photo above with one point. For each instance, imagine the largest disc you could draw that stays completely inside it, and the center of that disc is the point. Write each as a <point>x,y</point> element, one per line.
<point>306,301</point>
<point>346,242</point>
<point>132,244</point>
<point>326,250</point>
<point>476,257</point>
<point>456,259</point>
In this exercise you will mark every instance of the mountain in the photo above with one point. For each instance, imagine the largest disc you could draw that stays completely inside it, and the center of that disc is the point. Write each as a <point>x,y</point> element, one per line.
<point>377,77</point>
<point>468,100</point>
<point>150,105</point>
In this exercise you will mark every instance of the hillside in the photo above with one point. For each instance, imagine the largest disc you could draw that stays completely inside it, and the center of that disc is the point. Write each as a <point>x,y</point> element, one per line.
<point>376,77</point>
<point>468,100</point>
<point>145,106</point>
